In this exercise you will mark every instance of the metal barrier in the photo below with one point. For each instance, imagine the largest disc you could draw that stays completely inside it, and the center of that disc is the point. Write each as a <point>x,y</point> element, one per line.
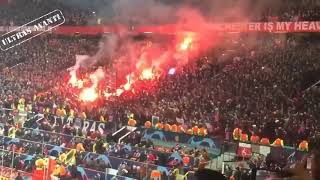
<point>117,162</point>
<point>228,153</point>
<point>127,170</point>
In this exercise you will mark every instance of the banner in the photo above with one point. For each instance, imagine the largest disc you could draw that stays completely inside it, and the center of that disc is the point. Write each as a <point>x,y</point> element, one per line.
<point>284,27</point>
<point>244,150</point>
<point>84,125</point>
<point>275,27</point>
<point>214,144</point>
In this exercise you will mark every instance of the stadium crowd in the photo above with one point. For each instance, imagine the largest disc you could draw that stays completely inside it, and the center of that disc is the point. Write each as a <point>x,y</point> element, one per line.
<point>20,12</point>
<point>260,91</point>
<point>258,88</point>
<point>132,160</point>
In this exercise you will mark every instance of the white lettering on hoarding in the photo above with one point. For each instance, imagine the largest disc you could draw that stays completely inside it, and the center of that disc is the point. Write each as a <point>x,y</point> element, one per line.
<point>24,33</point>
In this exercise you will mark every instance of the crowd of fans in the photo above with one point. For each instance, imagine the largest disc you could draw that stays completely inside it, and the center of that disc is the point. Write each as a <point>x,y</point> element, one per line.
<point>259,92</point>
<point>133,159</point>
<point>20,12</point>
<point>259,89</point>
<point>260,85</point>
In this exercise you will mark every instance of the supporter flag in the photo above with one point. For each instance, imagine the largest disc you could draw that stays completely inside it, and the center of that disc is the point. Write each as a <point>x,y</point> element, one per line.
<point>244,150</point>
<point>51,165</point>
<point>37,174</point>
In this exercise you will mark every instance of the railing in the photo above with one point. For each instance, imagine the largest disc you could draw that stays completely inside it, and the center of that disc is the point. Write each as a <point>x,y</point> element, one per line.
<point>131,129</point>
<point>313,85</point>
<point>91,121</point>
<point>137,170</point>
<point>65,136</point>
<point>148,167</point>
<point>228,149</point>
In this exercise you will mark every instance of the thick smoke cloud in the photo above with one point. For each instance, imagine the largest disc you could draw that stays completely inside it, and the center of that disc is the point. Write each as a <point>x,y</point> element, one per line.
<point>196,15</point>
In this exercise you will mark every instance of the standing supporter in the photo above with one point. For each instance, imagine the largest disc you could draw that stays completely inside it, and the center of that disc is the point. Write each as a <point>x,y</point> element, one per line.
<point>237,133</point>
<point>155,175</point>
<point>254,139</point>
<point>159,126</point>
<point>167,127</point>
<point>180,129</point>
<point>265,141</point>
<point>132,122</point>
<point>244,137</point>
<point>278,142</point>
<point>190,131</point>
<point>202,131</point>
<point>195,130</point>
<point>147,124</point>
<point>61,112</point>
<point>303,146</point>
<point>174,128</point>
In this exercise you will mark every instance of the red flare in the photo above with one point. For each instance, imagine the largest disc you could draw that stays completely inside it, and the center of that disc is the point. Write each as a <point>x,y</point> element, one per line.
<point>147,74</point>
<point>88,95</point>
<point>186,43</point>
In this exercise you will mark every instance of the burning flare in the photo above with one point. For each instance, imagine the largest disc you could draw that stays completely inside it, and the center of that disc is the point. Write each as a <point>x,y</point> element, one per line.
<point>186,42</point>
<point>89,94</point>
<point>147,74</point>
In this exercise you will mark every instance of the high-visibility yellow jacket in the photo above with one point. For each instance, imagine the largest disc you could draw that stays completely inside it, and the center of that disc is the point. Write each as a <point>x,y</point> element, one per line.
<point>278,142</point>
<point>265,141</point>
<point>254,139</point>
<point>303,146</point>
<point>237,133</point>
<point>244,137</point>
